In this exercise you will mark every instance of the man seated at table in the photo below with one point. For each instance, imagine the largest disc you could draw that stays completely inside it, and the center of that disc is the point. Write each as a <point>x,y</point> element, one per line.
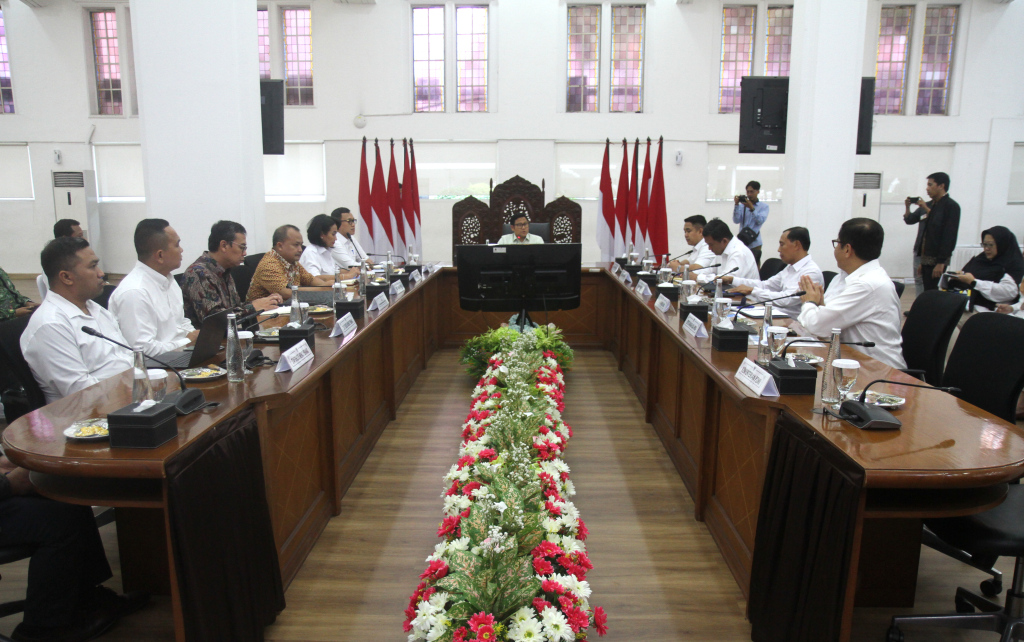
<point>148,303</point>
<point>279,268</point>
<point>701,255</point>
<point>347,251</point>
<point>861,300</point>
<point>729,250</point>
<point>209,288</point>
<point>64,359</point>
<point>68,227</point>
<point>793,246</point>
<point>520,232</point>
<point>13,303</point>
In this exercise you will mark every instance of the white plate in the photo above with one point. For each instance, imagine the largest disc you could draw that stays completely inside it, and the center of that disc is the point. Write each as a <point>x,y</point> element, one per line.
<point>268,334</point>
<point>808,358</point>
<point>191,374</point>
<point>321,309</point>
<point>71,431</point>
<point>891,401</point>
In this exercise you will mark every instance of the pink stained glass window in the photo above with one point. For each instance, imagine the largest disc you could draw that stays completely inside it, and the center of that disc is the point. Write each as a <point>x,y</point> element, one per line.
<point>428,58</point>
<point>6,92</point>
<point>263,41</point>
<point>627,83</point>
<point>737,54</point>
<point>298,56</point>
<point>891,58</point>
<point>471,57</point>
<point>108,65</point>
<point>778,42</point>
<point>936,59</point>
<point>584,59</point>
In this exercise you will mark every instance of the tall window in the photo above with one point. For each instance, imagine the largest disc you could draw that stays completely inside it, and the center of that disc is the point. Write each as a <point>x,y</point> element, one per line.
<point>298,56</point>
<point>108,65</point>
<point>778,42</point>
<point>584,67</point>
<point>263,41</point>
<point>627,59</point>
<point>6,93</point>
<point>891,59</point>
<point>936,59</point>
<point>471,57</point>
<point>428,58</point>
<point>737,54</point>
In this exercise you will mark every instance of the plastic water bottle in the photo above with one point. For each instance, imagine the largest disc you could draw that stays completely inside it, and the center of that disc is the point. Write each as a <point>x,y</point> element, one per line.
<point>338,298</point>
<point>235,362</point>
<point>388,268</point>
<point>141,388</point>
<point>295,315</point>
<point>764,350</point>
<point>829,390</point>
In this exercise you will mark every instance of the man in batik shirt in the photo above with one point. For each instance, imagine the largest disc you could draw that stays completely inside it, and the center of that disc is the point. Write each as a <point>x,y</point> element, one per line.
<point>279,269</point>
<point>13,303</point>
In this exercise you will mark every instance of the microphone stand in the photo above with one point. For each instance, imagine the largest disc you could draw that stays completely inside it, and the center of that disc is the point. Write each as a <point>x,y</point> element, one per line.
<point>871,417</point>
<point>185,401</point>
<point>249,318</point>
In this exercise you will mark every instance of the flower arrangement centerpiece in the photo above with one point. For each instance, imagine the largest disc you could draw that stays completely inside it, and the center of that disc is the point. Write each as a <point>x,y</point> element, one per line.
<point>512,564</point>
<point>476,352</point>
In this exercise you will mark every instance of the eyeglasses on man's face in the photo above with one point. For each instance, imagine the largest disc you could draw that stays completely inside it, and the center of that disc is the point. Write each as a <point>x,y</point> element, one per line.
<point>520,225</point>
<point>349,220</point>
<point>836,243</point>
<point>241,246</point>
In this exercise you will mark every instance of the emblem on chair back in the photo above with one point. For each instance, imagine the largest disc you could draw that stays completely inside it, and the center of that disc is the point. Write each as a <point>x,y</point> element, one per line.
<point>468,216</point>
<point>565,216</point>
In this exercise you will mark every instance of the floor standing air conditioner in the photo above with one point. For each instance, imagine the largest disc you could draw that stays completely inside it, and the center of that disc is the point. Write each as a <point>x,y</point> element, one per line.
<point>74,196</point>
<point>867,195</point>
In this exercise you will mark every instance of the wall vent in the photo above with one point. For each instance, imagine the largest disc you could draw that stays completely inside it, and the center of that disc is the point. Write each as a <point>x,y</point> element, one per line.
<point>68,179</point>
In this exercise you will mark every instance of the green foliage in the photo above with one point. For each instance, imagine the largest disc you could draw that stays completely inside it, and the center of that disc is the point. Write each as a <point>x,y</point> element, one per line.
<point>477,351</point>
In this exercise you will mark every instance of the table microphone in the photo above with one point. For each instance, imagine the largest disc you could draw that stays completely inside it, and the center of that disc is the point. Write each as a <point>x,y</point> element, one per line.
<point>740,309</point>
<point>863,344</point>
<point>682,255</point>
<point>870,417</point>
<point>255,315</point>
<point>710,283</point>
<point>185,401</point>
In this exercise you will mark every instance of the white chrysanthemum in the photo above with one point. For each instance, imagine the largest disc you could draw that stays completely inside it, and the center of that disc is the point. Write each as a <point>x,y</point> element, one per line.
<point>438,600</point>
<point>571,545</point>
<point>554,538</point>
<point>582,588</point>
<point>555,625</point>
<point>455,504</point>
<point>522,614</point>
<point>464,475</point>
<point>552,525</point>
<point>570,488</point>
<point>453,472</point>
<point>526,630</point>
<point>460,544</point>
<point>482,492</point>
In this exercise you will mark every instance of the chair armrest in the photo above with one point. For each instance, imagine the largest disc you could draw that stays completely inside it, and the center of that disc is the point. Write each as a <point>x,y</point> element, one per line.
<point>914,372</point>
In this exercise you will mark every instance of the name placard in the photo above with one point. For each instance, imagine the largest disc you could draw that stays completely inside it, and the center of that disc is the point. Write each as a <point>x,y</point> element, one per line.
<point>397,288</point>
<point>627,278</point>
<point>380,302</point>
<point>662,304</point>
<point>695,327</point>
<point>643,290</point>
<point>415,276</point>
<point>616,269</point>
<point>345,326</point>
<point>294,357</point>
<point>757,379</point>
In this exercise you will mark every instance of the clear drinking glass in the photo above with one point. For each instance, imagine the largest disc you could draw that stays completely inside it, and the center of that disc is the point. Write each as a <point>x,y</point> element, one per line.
<point>158,383</point>
<point>844,372</point>
<point>722,307</point>
<point>688,288</point>
<point>777,340</point>
<point>665,275</point>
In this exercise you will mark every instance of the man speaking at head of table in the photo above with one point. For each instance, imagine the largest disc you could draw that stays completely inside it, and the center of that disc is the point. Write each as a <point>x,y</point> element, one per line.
<point>520,232</point>
<point>861,300</point>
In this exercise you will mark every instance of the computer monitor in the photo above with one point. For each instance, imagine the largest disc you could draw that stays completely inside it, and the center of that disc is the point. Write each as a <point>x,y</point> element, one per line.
<point>519,278</point>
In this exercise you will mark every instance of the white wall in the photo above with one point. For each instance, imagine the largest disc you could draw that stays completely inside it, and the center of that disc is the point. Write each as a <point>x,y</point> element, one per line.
<point>362,66</point>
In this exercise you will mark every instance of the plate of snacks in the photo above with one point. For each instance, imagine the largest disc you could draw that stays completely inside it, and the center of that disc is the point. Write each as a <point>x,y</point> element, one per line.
<point>807,357</point>
<point>203,373</point>
<point>269,334</point>
<point>87,430</point>
<point>321,309</point>
<point>880,399</point>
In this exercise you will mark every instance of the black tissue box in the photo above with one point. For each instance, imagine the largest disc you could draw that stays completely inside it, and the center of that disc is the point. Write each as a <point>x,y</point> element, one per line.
<point>356,307</point>
<point>148,428</point>
<point>699,310</point>
<point>649,279</point>
<point>800,379</point>
<point>373,290</point>
<point>288,337</point>
<point>632,269</point>
<point>670,290</point>
<point>403,277</point>
<point>621,260</point>
<point>734,340</point>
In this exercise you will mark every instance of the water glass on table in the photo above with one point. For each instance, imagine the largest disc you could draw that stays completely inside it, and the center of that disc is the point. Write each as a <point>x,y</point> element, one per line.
<point>844,372</point>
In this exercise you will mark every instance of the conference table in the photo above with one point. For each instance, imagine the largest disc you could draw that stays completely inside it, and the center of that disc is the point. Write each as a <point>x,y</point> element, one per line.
<point>316,427</point>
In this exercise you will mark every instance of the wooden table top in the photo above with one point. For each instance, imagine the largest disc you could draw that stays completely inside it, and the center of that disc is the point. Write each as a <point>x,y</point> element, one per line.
<point>944,443</point>
<point>36,440</point>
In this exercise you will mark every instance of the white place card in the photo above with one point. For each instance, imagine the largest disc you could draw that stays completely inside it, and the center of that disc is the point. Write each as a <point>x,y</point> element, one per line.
<point>345,326</point>
<point>616,269</point>
<point>380,302</point>
<point>627,278</point>
<point>415,276</point>
<point>294,357</point>
<point>397,288</point>
<point>757,379</point>
<point>695,327</point>
<point>662,304</point>
<point>642,290</point>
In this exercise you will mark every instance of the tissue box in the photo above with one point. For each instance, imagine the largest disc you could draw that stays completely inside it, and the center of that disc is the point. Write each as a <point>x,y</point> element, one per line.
<point>373,290</point>
<point>800,379</point>
<point>699,310</point>
<point>730,340</point>
<point>621,260</point>
<point>632,269</point>
<point>288,337</point>
<point>148,428</point>
<point>649,279</point>
<point>356,307</point>
<point>403,277</point>
<point>670,291</point>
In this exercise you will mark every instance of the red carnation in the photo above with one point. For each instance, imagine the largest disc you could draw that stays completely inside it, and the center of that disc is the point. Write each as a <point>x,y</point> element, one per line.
<point>485,633</point>
<point>551,586</point>
<point>460,634</point>
<point>450,525</point>
<point>578,620</point>
<point>600,621</point>
<point>542,566</point>
<point>551,508</point>
<point>470,487</point>
<point>540,604</point>
<point>435,571</point>
<point>582,532</point>
<point>466,460</point>
<point>454,488</point>
<point>547,549</point>
<point>544,430</point>
<point>480,619</point>
<point>488,454</point>
<point>566,603</point>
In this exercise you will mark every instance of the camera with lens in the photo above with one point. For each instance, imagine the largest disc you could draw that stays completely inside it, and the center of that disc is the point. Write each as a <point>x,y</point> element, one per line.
<point>743,198</point>
<point>913,199</point>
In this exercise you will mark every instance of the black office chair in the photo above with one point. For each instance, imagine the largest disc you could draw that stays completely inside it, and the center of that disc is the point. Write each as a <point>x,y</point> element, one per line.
<point>900,286</point>
<point>770,268</point>
<point>180,279</point>
<point>542,230</point>
<point>253,260</point>
<point>926,333</point>
<point>242,276</point>
<point>828,277</point>
<point>104,298</point>
<point>13,553</point>
<point>26,396</point>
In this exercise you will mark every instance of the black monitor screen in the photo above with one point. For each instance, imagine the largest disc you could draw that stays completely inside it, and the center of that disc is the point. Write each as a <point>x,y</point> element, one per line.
<point>511,278</point>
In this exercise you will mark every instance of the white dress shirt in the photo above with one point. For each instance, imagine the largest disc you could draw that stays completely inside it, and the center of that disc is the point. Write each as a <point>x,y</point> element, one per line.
<point>348,253</point>
<point>1016,310</point>
<point>64,359</point>
<point>702,255</point>
<point>865,307</point>
<point>788,280</point>
<point>737,255</point>
<point>150,311</point>
<point>1002,291</point>
<point>318,260</point>
<point>529,239</point>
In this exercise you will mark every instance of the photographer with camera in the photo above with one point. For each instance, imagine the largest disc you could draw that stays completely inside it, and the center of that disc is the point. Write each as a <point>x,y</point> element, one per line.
<point>751,214</point>
<point>938,222</point>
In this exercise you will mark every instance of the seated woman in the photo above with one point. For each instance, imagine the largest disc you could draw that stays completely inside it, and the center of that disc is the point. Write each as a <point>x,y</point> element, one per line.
<point>994,275</point>
<point>317,258</point>
<point>13,303</point>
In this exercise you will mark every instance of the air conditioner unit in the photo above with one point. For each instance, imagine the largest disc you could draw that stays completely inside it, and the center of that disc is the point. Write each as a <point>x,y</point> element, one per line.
<point>867,195</point>
<point>74,196</point>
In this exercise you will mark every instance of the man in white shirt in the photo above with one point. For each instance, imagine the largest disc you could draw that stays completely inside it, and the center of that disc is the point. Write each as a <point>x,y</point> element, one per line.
<point>861,301</point>
<point>701,255</point>
<point>793,246</point>
<point>520,233</point>
<point>729,250</point>
<point>148,303</point>
<point>64,359</point>
<point>347,251</point>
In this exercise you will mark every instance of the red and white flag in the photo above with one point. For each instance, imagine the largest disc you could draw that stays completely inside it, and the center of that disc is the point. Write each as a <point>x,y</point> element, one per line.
<point>634,199</point>
<point>395,206</point>
<point>365,207</point>
<point>415,182</point>
<point>621,198</point>
<point>642,240</point>
<point>657,212</point>
<point>408,205</point>
<point>606,212</point>
<point>382,241</point>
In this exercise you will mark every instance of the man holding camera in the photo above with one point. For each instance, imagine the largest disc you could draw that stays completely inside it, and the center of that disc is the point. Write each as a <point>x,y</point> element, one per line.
<point>751,214</point>
<point>938,222</point>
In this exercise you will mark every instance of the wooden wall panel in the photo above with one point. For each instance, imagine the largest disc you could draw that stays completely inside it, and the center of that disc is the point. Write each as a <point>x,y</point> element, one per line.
<point>347,420</point>
<point>374,384</point>
<point>407,345</point>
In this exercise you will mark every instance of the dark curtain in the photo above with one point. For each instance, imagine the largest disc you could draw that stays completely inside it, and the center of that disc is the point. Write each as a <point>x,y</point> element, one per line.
<point>804,538</point>
<point>227,568</point>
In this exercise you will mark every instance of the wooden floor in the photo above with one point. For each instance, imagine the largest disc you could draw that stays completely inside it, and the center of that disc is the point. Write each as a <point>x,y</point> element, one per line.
<point>657,571</point>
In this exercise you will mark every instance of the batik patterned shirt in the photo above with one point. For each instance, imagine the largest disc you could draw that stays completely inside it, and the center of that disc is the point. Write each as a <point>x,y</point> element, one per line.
<point>10,298</point>
<point>274,274</point>
<point>208,288</point>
